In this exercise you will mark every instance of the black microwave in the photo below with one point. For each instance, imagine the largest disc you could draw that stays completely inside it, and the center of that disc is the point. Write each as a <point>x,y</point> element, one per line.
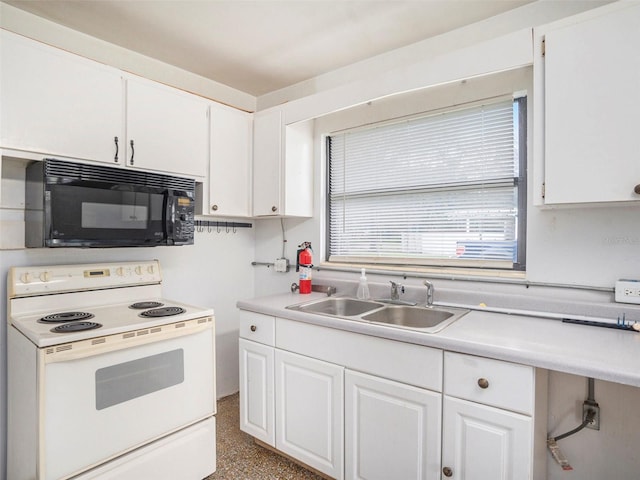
<point>70,204</point>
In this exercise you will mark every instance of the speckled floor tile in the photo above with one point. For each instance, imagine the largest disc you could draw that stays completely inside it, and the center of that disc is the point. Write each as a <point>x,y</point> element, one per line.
<point>238,456</point>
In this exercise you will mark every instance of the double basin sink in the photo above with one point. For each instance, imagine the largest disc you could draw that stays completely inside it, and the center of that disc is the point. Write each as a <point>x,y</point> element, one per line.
<point>426,319</point>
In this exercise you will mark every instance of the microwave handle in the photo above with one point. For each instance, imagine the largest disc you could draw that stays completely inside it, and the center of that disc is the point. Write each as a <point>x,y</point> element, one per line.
<point>169,217</point>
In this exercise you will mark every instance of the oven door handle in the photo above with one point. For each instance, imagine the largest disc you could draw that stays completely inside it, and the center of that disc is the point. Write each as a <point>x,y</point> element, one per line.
<point>120,341</point>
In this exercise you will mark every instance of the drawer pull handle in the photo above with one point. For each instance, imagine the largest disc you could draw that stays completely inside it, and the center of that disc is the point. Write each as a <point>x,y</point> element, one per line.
<point>447,472</point>
<point>483,383</point>
<point>253,328</point>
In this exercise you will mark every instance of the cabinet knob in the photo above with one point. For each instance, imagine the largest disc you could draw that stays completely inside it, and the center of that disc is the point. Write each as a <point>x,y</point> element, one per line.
<point>214,207</point>
<point>636,189</point>
<point>447,472</point>
<point>483,383</point>
<point>274,209</point>
<point>253,328</point>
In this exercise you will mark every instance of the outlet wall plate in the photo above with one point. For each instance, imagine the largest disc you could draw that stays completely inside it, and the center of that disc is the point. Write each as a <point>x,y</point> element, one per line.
<point>628,291</point>
<point>595,423</point>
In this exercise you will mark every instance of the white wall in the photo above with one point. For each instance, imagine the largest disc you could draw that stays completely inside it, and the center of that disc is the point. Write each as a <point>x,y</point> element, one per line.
<point>403,61</point>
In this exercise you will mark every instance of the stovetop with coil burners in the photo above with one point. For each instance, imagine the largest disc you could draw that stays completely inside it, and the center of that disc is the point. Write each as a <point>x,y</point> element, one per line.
<point>62,327</point>
<point>56,305</point>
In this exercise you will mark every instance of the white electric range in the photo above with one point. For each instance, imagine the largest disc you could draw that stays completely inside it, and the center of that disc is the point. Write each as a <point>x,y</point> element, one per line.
<point>107,379</point>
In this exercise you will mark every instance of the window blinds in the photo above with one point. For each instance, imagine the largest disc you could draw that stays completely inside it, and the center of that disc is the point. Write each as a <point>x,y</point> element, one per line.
<point>440,189</point>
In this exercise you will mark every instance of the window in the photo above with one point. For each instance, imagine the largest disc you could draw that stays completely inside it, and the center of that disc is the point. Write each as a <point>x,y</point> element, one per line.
<point>443,189</point>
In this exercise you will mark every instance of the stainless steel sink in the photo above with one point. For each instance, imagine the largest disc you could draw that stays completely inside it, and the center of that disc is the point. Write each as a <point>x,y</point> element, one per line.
<point>418,318</point>
<point>337,306</point>
<point>427,319</point>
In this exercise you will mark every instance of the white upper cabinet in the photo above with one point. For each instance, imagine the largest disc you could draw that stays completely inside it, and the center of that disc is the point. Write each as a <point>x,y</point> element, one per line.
<point>230,162</point>
<point>57,103</point>
<point>587,73</point>
<point>282,166</point>
<point>167,129</point>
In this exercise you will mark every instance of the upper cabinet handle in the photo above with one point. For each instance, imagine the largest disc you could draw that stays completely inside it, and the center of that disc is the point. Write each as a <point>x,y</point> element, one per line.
<point>132,152</point>
<point>115,139</point>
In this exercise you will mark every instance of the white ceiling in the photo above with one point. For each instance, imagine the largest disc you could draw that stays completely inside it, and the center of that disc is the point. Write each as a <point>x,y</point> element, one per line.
<point>261,46</point>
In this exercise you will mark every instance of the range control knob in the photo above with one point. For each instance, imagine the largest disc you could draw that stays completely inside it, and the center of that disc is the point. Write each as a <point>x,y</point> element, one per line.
<point>120,271</point>
<point>150,269</point>
<point>25,278</point>
<point>138,270</point>
<point>45,276</point>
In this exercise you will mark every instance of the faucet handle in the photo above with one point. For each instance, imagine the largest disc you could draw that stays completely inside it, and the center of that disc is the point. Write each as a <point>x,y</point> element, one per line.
<point>429,286</point>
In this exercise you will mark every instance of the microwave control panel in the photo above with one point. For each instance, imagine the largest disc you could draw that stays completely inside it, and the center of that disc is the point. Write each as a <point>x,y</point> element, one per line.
<point>183,225</point>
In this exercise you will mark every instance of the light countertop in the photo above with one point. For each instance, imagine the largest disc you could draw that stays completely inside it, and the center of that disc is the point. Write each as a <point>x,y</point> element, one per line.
<point>602,353</point>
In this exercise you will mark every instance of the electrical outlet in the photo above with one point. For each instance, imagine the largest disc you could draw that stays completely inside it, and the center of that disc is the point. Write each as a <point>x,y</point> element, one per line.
<point>588,406</point>
<point>628,291</point>
<point>281,265</point>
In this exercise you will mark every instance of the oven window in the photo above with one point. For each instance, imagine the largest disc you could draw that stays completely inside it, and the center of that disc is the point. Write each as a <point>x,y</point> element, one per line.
<point>126,381</point>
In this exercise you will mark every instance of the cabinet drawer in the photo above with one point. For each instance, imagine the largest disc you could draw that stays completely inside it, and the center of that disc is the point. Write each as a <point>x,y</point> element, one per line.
<point>492,382</point>
<point>257,327</point>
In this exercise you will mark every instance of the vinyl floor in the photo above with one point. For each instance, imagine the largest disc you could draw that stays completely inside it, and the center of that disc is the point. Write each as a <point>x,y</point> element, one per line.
<point>240,458</point>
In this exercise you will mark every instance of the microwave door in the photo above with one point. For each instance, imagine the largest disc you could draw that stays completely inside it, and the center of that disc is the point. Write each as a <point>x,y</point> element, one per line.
<point>97,216</point>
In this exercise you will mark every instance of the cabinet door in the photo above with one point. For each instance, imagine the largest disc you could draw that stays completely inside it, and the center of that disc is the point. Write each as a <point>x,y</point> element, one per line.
<point>169,129</point>
<point>230,162</point>
<point>256,391</point>
<point>591,99</point>
<point>392,430</point>
<point>267,163</point>
<point>57,103</point>
<point>309,412</point>
<point>480,442</point>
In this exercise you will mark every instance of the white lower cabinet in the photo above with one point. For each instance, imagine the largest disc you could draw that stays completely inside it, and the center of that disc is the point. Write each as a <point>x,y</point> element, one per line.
<point>392,430</point>
<point>309,411</point>
<point>481,442</point>
<point>256,391</point>
<point>488,427</point>
<point>359,407</point>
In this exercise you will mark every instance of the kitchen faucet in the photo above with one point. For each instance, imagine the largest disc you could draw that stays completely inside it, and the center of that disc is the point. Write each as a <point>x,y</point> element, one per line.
<point>395,295</point>
<point>429,286</point>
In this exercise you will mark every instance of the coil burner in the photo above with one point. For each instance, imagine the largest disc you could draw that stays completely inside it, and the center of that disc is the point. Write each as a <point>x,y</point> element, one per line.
<point>75,327</point>
<point>162,312</point>
<point>66,317</point>
<point>145,305</point>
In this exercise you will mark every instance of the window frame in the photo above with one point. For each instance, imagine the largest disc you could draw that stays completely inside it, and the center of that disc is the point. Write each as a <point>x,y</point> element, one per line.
<point>519,182</point>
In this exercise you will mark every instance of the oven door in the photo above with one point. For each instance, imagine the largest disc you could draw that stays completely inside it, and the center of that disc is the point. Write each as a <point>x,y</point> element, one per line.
<point>92,214</point>
<point>103,397</point>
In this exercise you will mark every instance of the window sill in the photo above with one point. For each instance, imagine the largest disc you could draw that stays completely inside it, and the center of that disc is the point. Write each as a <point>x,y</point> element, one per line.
<point>450,273</point>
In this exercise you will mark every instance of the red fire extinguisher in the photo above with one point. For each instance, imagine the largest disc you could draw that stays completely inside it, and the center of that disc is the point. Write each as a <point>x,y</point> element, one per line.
<point>304,265</point>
